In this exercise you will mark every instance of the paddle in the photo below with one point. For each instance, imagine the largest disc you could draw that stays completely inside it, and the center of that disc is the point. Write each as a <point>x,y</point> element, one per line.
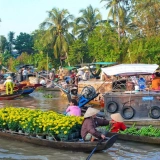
<point>88,158</point>
<point>110,142</point>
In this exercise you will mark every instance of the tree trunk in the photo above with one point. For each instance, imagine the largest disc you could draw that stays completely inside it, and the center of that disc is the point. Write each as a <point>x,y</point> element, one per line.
<point>67,59</point>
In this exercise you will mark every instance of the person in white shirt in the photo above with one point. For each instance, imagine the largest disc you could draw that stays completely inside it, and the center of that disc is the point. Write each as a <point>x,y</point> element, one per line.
<point>43,82</point>
<point>25,74</point>
<point>80,74</point>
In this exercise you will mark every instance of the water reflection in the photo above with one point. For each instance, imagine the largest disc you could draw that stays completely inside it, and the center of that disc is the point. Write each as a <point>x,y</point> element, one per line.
<point>15,150</point>
<point>37,100</point>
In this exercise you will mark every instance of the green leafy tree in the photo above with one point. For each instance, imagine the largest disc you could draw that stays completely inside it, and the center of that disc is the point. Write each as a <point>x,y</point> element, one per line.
<point>79,49</point>
<point>24,43</point>
<point>10,41</point>
<point>103,44</point>
<point>144,50</point>
<point>146,13</point>
<point>3,44</point>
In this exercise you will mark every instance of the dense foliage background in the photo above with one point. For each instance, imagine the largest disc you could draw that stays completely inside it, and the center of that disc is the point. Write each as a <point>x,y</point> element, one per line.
<point>130,34</point>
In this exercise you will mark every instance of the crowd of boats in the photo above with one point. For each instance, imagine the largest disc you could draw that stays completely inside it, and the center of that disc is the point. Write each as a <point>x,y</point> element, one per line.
<point>130,94</point>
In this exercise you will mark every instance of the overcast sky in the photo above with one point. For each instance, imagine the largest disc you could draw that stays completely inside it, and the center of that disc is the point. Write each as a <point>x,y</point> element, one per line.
<point>26,15</point>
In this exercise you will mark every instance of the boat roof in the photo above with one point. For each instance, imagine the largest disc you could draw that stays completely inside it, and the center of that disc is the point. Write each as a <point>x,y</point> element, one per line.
<point>104,63</point>
<point>70,67</point>
<point>130,69</point>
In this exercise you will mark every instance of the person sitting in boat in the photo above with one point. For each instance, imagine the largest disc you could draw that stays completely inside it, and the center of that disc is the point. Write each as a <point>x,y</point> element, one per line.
<point>156,81</point>
<point>73,109</point>
<point>86,75</point>
<point>80,74</point>
<point>90,129</point>
<point>72,76</point>
<point>117,123</point>
<point>9,85</point>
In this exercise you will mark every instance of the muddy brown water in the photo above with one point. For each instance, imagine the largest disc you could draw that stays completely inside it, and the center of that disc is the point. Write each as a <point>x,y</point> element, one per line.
<point>15,150</point>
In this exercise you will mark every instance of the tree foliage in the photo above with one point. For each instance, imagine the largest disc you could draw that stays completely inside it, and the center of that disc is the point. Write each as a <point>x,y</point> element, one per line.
<point>24,43</point>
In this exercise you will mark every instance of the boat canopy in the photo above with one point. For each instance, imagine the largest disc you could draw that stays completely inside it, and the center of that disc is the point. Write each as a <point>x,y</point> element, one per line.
<point>105,63</point>
<point>130,69</point>
<point>70,67</point>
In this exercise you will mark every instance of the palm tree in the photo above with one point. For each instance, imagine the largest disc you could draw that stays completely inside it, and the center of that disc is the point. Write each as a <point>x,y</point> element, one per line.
<point>85,24</point>
<point>117,11</point>
<point>57,35</point>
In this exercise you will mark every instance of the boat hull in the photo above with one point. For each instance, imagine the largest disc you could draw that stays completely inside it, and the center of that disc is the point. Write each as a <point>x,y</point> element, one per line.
<point>75,146</point>
<point>133,106</point>
<point>10,96</point>
<point>140,139</point>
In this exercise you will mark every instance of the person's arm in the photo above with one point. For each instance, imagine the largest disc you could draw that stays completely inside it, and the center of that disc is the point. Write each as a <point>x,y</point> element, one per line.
<point>92,130</point>
<point>68,109</point>
<point>102,122</point>
<point>123,126</point>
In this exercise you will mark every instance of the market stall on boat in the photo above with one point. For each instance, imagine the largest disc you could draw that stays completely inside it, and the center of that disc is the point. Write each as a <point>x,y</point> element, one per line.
<point>133,102</point>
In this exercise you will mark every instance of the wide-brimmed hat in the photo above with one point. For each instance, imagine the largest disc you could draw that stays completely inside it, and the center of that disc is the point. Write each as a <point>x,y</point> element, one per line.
<point>9,77</point>
<point>117,117</point>
<point>90,112</point>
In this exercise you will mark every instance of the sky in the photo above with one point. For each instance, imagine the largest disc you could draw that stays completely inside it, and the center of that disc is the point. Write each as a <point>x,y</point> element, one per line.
<point>26,15</point>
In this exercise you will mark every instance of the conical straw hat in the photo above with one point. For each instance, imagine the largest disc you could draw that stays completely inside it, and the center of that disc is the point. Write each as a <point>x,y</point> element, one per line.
<point>90,112</point>
<point>117,117</point>
<point>9,77</point>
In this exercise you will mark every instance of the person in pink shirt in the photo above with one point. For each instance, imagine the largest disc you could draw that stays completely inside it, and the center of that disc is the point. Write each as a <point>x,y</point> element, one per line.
<point>73,109</point>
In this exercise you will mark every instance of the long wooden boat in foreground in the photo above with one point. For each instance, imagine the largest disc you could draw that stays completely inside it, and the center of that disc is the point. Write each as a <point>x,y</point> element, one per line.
<point>141,139</point>
<point>66,145</point>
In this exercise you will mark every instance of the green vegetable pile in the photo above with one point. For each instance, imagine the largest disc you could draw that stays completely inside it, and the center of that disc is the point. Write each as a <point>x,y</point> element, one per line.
<point>48,95</point>
<point>149,131</point>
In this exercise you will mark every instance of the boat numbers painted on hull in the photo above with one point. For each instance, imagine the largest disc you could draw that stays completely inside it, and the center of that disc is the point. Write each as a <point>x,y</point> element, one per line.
<point>147,98</point>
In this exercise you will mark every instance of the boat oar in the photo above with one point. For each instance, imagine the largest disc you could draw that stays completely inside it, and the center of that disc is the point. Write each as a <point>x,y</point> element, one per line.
<point>88,158</point>
<point>109,143</point>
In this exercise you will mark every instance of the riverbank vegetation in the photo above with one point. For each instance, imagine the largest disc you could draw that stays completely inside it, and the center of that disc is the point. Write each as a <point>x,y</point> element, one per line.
<point>129,33</point>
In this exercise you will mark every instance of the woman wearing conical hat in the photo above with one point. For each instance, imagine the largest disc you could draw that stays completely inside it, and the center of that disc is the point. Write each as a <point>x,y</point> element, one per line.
<point>117,123</point>
<point>89,130</point>
<point>9,85</point>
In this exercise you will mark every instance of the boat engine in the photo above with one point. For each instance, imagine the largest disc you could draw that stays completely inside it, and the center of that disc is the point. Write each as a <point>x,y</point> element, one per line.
<point>88,93</point>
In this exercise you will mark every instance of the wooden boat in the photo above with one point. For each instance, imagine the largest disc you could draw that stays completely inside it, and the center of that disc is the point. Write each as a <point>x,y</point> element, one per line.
<point>10,96</point>
<point>132,99</point>
<point>75,145</point>
<point>140,139</point>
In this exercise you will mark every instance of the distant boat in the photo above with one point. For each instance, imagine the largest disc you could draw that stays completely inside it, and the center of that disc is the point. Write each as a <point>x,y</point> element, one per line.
<point>27,90</point>
<point>10,96</point>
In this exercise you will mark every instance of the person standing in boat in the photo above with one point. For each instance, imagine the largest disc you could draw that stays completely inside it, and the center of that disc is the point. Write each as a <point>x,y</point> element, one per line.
<point>73,109</point>
<point>117,123</point>
<point>90,128</point>
<point>25,74</point>
<point>9,85</point>
<point>52,74</point>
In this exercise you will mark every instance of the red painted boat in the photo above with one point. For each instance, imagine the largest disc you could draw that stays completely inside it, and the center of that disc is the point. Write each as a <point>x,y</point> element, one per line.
<point>10,96</point>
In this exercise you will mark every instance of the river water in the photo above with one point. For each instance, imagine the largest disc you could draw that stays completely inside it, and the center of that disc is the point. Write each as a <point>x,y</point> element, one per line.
<point>15,150</point>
